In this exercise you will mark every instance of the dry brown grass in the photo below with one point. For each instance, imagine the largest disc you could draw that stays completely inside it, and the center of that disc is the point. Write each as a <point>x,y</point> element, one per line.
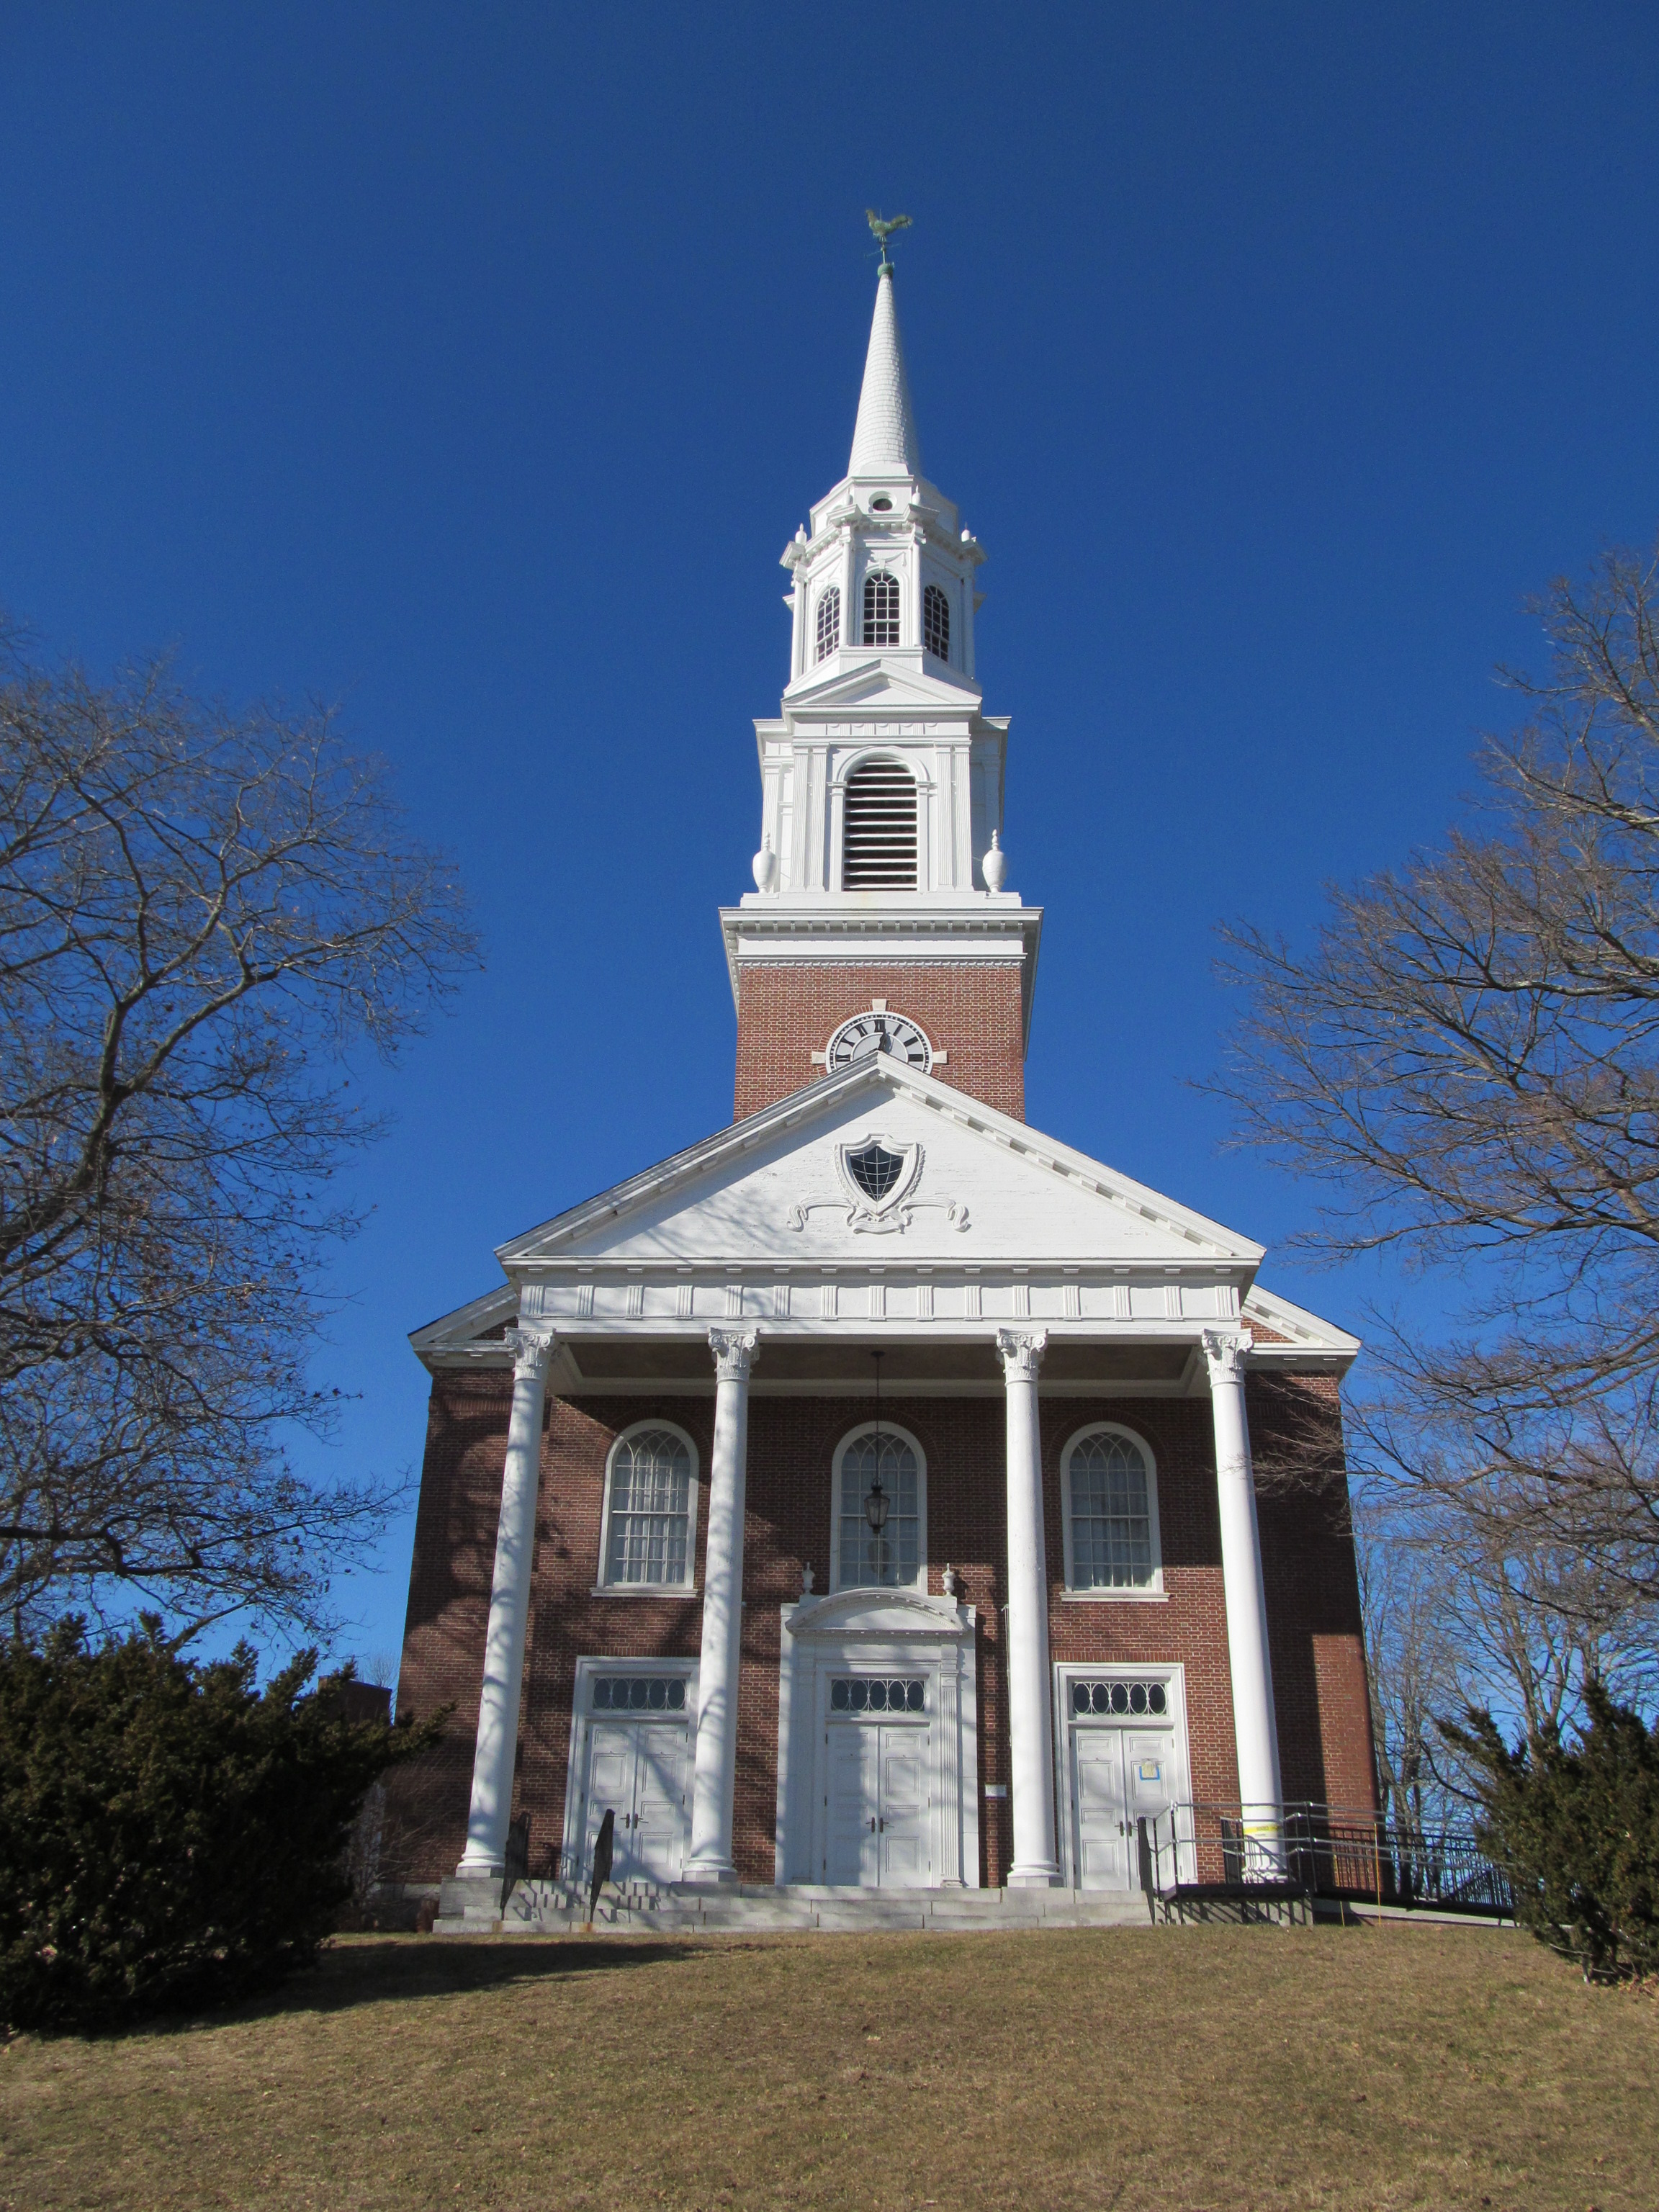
<point>1122,2067</point>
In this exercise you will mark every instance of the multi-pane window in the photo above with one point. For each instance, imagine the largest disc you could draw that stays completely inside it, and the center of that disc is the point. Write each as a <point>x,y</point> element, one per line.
<point>1120,1697</point>
<point>639,1693</point>
<point>936,622</point>
<point>892,1555</point>
<point>879,828</point>
<point>862,1693</point>
<point>828,622</point>
<point>651,1532</point>
<point>1111,1514</point>
<point>881,608</point>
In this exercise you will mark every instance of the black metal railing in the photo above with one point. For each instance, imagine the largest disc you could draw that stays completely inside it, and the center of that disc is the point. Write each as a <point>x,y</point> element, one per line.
<point>1197,1851</point>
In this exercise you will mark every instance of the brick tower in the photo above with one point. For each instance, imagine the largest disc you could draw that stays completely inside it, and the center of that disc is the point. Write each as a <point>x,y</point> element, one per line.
<point>879,922</point>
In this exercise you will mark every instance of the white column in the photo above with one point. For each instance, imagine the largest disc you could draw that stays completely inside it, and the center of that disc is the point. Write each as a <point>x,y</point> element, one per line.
<point>509,1610</point>
<point>1254,1726</point>
<point>1030,1732</point>
<point>711,1859</point>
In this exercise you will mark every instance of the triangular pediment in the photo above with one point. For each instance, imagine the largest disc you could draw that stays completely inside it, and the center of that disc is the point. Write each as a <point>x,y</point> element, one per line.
<point>982,1187</point>
<point>874,682</point>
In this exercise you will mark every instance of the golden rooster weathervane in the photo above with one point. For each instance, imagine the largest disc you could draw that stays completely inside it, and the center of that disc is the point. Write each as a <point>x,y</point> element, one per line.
<point>884,226</point>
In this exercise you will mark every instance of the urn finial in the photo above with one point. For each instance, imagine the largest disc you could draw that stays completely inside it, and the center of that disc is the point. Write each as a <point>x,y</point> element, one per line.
<point>994,866</point>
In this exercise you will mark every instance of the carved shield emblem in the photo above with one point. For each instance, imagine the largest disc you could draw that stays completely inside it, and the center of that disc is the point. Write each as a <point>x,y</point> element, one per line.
<point>877,1174</point>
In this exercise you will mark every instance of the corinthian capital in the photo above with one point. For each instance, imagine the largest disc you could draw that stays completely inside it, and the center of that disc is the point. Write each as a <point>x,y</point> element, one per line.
<point>735,1351</point>
<point>532,1352</point>
<point>1022,1351</point>
<point>1224,1354</point>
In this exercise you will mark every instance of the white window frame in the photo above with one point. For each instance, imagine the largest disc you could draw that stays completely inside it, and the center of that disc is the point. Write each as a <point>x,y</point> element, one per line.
<point>937,584</point>
<point>1149,1593</point>
<point>854,1436</point>
<point>605,1587</point>
<point>822,652</point>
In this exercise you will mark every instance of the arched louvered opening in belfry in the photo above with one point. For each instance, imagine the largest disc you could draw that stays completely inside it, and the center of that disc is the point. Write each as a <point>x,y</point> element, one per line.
<point>881,608</point>
<point>879,828</point>
<point>830,622</point>
<point>936,622</point>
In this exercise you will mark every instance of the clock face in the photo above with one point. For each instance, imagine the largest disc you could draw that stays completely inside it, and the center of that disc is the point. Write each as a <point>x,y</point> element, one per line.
<point>880,1032</point>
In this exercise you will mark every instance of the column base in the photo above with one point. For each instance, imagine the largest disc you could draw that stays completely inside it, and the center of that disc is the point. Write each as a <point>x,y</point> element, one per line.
<point>1037,1877</point>
<point>710,1877</point>
<point>480,1869</point>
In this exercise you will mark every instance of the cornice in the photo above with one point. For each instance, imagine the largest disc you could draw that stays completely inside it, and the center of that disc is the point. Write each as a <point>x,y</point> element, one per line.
<point>900,931</point>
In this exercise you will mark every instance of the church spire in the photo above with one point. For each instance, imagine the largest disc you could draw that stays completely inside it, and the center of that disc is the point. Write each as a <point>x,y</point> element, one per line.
<point>884,438</point>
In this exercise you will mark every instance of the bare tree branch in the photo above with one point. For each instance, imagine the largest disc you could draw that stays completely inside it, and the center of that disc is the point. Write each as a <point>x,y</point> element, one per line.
<point>1467,1063</point>
<point>200,912</point>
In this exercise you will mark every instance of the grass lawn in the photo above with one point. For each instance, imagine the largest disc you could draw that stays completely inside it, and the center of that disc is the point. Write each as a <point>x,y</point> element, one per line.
<point>1225,2067</point>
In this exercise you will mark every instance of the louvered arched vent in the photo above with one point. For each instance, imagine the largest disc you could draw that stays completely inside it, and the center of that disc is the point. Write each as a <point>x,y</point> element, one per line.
<point>878,841</point>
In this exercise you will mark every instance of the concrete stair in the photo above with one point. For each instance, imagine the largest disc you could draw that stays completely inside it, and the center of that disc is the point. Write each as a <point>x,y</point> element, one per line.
<point>550,1908</point>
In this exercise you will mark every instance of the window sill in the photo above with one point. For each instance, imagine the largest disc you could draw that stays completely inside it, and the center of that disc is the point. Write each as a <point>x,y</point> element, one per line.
<point>1115,1597</point>
<point>645,1589</point>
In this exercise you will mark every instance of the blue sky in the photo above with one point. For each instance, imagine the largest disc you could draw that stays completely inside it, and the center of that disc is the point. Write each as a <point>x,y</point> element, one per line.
<point>473,367</point>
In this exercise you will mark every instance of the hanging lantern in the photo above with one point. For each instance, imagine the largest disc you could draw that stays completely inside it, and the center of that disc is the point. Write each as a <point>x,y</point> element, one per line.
<point>877,1501</point>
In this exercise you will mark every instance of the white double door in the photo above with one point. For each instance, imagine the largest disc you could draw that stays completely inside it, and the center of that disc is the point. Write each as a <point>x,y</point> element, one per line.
<point>640,1770</point>
<point>1118,1775</point>
<point>878,1807</point>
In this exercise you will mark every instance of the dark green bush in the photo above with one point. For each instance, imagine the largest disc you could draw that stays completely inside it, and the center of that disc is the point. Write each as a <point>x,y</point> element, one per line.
<point>1575,1828</point>
<point>170,1836</point>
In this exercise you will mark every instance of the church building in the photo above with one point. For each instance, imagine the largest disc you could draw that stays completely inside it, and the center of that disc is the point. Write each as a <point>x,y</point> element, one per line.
<point>880,1493</point>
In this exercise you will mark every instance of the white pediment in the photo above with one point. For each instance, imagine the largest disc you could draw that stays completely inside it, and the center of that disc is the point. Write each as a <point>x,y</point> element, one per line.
<point>980,1187</point>
<point>879,683</point>
<point>883,1615</point>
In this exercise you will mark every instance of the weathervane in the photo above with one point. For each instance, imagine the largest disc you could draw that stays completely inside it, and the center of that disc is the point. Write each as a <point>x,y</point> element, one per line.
<point>884,226</point>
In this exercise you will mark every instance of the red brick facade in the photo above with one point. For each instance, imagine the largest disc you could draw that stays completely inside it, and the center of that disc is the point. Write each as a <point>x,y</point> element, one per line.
<point>971,1010</point>
<point>1313,1602</point>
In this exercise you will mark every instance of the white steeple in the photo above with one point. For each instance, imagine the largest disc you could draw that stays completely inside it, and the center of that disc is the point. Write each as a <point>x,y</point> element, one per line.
<point>882,778</point>
<point>884,437</point>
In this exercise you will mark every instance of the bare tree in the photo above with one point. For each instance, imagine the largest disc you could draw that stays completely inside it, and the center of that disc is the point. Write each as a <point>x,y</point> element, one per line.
<point>1463,1611</point>
<point>200,911</point>
<point>1467,1061</point>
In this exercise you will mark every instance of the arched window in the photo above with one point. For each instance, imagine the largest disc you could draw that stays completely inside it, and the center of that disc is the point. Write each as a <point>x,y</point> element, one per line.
<point>936,622</point>
<point>893,1557</point>
<point>881,612</point>
<point>828,622</point>
<point>650,1509</point>
<point>879,828</point>
<point>1108,1489</point>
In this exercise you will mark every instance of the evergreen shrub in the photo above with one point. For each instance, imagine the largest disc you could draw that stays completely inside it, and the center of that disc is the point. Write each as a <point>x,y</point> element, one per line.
<point>171,1836</point>
<point>1575,1828</point>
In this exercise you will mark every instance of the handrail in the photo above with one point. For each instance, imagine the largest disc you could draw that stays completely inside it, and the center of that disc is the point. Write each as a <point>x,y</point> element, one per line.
<point>1306,1848</point>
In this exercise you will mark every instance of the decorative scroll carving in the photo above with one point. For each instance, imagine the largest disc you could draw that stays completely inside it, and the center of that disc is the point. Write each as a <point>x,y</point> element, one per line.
<point>863,1222</point>
<point>735,1351</point>
<point>1225,1353</point>
<point>1022,1351</point>
<point>533,1350</point>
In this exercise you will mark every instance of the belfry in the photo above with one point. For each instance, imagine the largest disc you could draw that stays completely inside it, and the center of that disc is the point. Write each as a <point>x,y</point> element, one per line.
<point>866,1499</point>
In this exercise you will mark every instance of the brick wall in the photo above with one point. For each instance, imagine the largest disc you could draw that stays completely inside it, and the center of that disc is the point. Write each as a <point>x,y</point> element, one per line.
<point>1308,1563</point>
<point>788,1010</point>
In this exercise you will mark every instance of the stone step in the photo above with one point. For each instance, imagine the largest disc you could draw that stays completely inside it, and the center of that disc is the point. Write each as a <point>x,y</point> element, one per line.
<point>553,1908</point>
